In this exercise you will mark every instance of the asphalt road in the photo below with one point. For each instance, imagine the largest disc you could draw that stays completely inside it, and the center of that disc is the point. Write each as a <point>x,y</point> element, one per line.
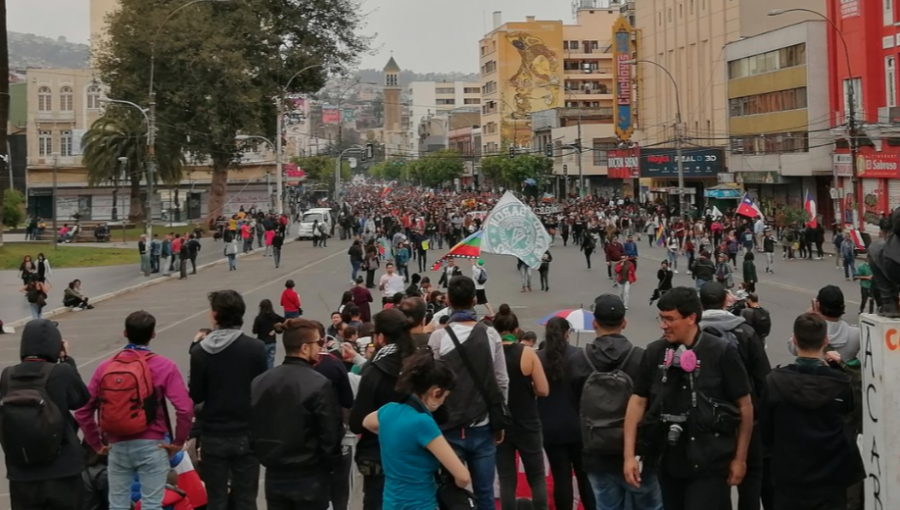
<point>322,274</point>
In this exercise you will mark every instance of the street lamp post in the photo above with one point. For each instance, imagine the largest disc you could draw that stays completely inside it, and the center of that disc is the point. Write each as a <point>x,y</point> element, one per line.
<point>151,168</point>
<point>279,182</point>
<point>851,124</point>
<point>55,172</point>
<point>277,159</point>
<point>682,204</point>
<point>337,170</point>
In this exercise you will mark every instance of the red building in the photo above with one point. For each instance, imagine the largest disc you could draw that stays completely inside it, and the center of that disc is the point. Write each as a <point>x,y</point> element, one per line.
<point>871,29</point>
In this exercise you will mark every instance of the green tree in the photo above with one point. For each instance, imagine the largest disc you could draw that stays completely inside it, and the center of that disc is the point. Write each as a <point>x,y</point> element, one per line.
<point>511,173</point>
<point>321,169</point>
<point>122,133</point>
<point>387,170</point>
<point>219,66</point>
<point>494,168</point>
<point>13,209</point>
<point>438,168</point>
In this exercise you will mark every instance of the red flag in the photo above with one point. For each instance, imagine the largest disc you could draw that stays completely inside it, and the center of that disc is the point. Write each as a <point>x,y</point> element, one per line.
<point>747,207</point>
<point>810,206</point>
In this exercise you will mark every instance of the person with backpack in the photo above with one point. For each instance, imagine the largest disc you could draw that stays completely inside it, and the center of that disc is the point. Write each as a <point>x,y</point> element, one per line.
<point>139,440</point>
<point>480,275</point>
<point>749,272</point>
<point>721,323</point>
<point>224,363</point>
<point>603,382</point>
<point>43,456</point>
<point>703,269</point>
<point>757,317</point>
<point>588,245</point>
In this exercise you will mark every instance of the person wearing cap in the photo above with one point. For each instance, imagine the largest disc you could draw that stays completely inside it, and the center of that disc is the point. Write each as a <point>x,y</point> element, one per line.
<point>480,294</point>
<point>611,351</point>
<point>680,402</point>
<point>57,484</point>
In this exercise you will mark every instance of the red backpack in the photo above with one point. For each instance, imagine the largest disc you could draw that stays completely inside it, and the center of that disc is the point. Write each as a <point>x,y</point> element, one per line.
<point>128,401</point>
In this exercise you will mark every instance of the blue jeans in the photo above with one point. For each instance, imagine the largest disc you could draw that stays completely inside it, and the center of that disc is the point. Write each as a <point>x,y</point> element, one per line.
<point>354,269</point>
<point>612,492</point>
<point>270,354</point>
<point>291,315</point>
<point>141,457</point>
<point>232,262</point>
<point>475,447</point>
<point>35,310</point>
<point>700,282</point>
<point>849,267</point>
<point>276,254</point>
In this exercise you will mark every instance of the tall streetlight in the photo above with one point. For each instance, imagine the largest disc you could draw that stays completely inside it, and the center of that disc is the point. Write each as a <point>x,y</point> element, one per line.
<point>851,127</point>
<point>279,126</point>
<point>678,133</point>
<point>151,169</point>
<point>277,159</point>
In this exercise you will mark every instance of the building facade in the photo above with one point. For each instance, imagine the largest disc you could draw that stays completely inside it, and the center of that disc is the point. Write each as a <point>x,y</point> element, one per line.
<point>871,31</point>
<point>779,116</point>
<point>428,99</point>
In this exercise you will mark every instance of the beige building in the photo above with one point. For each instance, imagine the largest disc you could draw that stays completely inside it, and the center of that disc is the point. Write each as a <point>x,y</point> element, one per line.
<point>688,38</point>
<point>537,65</point>
<point>99,11</point>
<point>429,99</point>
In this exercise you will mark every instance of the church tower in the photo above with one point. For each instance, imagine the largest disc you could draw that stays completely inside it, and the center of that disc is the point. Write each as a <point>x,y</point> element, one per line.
<point>392,107</point>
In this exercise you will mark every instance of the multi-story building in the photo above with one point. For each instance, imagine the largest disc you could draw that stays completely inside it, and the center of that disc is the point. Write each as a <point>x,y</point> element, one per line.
<point>871,31</point>
<point>779,116</point>
<point>429,98</point>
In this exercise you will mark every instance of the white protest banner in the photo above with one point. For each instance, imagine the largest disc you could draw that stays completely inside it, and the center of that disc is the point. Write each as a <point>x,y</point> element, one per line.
<point>512,228</point>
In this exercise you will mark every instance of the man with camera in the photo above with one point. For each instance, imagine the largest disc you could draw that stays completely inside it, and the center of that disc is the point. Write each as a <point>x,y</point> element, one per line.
<point>692,402</point>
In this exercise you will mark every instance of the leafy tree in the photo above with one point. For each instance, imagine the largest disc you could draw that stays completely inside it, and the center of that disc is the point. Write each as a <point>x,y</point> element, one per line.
<point>13,210</point>
<point>438,168</point>
<point>219,66</point>
<point>387,170</point>
<point>321,169</point>
<point>511,173</point>
<point>122,133</point>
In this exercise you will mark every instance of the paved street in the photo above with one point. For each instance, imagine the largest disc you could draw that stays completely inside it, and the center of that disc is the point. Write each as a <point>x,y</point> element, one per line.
<point>323,273</point>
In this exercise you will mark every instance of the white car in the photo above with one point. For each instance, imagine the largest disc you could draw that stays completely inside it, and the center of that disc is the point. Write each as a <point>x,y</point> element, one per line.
<point>305,229</point>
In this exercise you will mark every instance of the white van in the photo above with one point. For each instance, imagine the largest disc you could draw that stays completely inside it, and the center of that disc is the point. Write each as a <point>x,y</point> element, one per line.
<point>323,214</point>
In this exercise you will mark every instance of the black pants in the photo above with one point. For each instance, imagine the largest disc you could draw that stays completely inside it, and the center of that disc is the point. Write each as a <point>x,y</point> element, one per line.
<point>423,264</point>
<point>866,297</point>
<point>826,498</point>
<point>194,263</point>
<point>767,495</point>
<point>340,481</point>
<point>293,493</point>
<point>182,267</point>
<point>55,494</point>
<point>373,492</point>
<point>750,489</point>
<point>172,262</point>
<point>545,280</point>
<point>370,278</point>
<point>710,492</point>
<point>563,459</point>
<point>819,252</point>
<point>587,256</point>
<point>230,459</point>
<point>528,444</point>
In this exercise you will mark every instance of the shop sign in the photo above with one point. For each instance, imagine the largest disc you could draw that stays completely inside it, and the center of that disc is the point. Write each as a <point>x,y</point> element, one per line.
<point>843,165</point>
<point>697,162</point>
<point>767,177</point>
<point>622,55</point>
<point>878,166</point>
<point>624,164</point>
<point>726,178</point>
<point>723,193</point>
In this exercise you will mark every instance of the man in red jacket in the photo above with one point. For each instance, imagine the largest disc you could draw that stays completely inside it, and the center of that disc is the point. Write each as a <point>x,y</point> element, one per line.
<point>614,252</point>
<point>625,277</point>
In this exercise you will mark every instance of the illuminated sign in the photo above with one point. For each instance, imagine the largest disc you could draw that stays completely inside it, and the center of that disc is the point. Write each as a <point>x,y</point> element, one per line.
<point>623,98</point>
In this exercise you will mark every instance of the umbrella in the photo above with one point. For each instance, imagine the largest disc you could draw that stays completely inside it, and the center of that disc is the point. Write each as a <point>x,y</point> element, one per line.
<point>580,320</point>
<point>468,248</point>
<point>530,182</point>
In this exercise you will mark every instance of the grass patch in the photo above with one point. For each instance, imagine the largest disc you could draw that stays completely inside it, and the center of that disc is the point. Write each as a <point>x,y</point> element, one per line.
<point>11,255</point>
<point>134,233</point>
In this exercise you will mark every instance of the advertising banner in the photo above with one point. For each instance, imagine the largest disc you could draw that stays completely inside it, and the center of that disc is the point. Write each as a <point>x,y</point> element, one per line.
<point>330,115</point>
<point>624,163</point>
<point>878,166</point>
<point>697,162</point>
<point>621,57</point>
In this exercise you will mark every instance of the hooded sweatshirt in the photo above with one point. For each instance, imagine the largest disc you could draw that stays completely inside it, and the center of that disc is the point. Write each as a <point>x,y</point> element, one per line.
<point>750,346</point>
<point>376,388</point>
<point>41,344</point>
<point>842,337</point>
<point>803,427</point>
<point>222,367</point>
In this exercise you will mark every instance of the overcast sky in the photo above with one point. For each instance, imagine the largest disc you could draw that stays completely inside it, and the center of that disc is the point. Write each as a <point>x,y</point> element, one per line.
<point>425,35</point>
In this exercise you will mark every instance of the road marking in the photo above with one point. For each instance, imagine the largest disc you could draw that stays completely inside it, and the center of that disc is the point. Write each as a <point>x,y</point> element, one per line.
<point>204,312</point>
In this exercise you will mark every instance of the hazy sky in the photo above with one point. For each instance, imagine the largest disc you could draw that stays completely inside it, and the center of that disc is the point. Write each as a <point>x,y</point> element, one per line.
<point>425,35</point>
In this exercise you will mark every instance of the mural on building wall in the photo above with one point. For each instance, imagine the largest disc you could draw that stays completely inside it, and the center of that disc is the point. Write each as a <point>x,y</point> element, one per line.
<point>532,81</point>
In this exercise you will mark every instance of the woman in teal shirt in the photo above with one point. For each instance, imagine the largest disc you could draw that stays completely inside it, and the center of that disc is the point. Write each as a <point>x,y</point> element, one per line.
<point>412,445</point>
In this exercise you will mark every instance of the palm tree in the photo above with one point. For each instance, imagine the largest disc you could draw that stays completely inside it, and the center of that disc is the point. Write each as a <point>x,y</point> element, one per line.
<point>123,134</point>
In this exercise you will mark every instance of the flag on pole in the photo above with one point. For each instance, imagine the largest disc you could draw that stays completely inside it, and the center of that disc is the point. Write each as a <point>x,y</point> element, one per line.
<point>716,213</point>
<point>748,208</point>
<point>661,236</point>
<point>387,189</point>
<point>468,248</point>
<point>512,228</point>
<point>811,208</point>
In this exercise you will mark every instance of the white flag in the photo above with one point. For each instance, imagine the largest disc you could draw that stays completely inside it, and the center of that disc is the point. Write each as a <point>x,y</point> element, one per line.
<point>716,213</point>
<point>512,228</point>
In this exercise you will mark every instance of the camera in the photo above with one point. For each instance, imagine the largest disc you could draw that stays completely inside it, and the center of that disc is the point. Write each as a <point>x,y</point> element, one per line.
<point>674,434</point>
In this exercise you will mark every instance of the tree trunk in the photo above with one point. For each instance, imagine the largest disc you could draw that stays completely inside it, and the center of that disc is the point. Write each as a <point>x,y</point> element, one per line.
<point>4,104</point>
<point>217,188</point>
<point>136,207</point>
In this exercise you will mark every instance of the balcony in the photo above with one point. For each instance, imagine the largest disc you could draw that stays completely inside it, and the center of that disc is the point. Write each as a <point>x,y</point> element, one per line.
<point>55,116</point>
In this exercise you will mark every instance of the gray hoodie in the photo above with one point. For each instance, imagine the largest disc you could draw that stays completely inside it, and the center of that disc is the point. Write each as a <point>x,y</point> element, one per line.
<point>843,337</point>
<point>219,339</point>
<point>720,320</point>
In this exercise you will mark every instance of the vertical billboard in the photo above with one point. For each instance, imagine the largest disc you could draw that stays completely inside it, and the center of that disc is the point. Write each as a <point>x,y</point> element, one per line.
<point>623,98</point>
<point>530,76</point>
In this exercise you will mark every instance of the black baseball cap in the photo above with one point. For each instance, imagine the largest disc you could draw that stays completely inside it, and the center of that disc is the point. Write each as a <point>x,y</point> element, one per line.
<point>609,308</point>
<point>831,301</point>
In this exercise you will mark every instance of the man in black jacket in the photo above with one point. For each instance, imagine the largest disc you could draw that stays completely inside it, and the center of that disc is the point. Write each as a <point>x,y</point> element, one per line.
<point>752,348</point>
<point>295,425</point>
<point>224,363</point>
<point>805,406</point>
<point>193,247</point>
<point>703,270</point>
<point>56,484</point>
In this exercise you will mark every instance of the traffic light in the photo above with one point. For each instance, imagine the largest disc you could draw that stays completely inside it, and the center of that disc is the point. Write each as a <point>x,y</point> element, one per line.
<point>548,150</point>
<point>512,152</point>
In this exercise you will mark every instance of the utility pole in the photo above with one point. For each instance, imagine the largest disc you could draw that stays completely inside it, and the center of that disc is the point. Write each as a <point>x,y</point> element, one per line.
<point>581,192</point>
<point>151,165</point>
<point>682,197</point>
<point>115,210</point>
<point>279,180</point>
<point>55,172</point>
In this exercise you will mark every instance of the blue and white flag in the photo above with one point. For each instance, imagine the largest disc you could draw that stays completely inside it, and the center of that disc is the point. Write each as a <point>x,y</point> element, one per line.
<point>512,228</point>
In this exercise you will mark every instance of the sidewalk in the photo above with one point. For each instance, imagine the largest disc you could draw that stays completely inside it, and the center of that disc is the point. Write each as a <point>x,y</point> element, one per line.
<point>95,281</point>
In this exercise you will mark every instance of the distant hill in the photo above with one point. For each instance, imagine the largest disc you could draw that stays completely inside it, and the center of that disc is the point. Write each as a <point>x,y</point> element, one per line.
<point>29,50</point>
<point>407,77</point>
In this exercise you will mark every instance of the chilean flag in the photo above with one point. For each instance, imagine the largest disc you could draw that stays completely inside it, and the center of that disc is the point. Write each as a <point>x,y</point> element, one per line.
<point>748,208</point>
<point>811,208</point>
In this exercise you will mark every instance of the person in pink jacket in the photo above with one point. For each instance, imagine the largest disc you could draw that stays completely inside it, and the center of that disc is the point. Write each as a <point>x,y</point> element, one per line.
<point>146,452</point>
<point>270,234</point>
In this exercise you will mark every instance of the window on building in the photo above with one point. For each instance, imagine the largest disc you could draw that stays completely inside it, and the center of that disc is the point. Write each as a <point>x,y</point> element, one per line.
<point>92,99</point>
<point>65,99</point>
<point>45,99</point>
<point>595,45</point>
<point>659,18</point>
<point>854,85</point>
<point>445,90</point>
<point>888,12</point>
<point>890,80</point>
<point>65,143</point>
<point>471,90</point>
<point>769,102</point>
<point>770,143</point>
<point>471,100</point>
<point>601,152</point>
<point>45,143</point>
<point>445,102</point>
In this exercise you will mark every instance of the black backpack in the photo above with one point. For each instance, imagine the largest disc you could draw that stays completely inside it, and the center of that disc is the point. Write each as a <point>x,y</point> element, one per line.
<point>604,400</point>
<point>32,428</point>
<point>759,319</point>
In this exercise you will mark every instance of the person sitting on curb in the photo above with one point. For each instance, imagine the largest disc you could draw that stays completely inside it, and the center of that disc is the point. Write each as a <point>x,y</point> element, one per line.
<point>73,298</point>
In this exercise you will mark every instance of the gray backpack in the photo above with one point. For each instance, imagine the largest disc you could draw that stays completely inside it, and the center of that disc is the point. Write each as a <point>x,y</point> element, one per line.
<point>604,400</point>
